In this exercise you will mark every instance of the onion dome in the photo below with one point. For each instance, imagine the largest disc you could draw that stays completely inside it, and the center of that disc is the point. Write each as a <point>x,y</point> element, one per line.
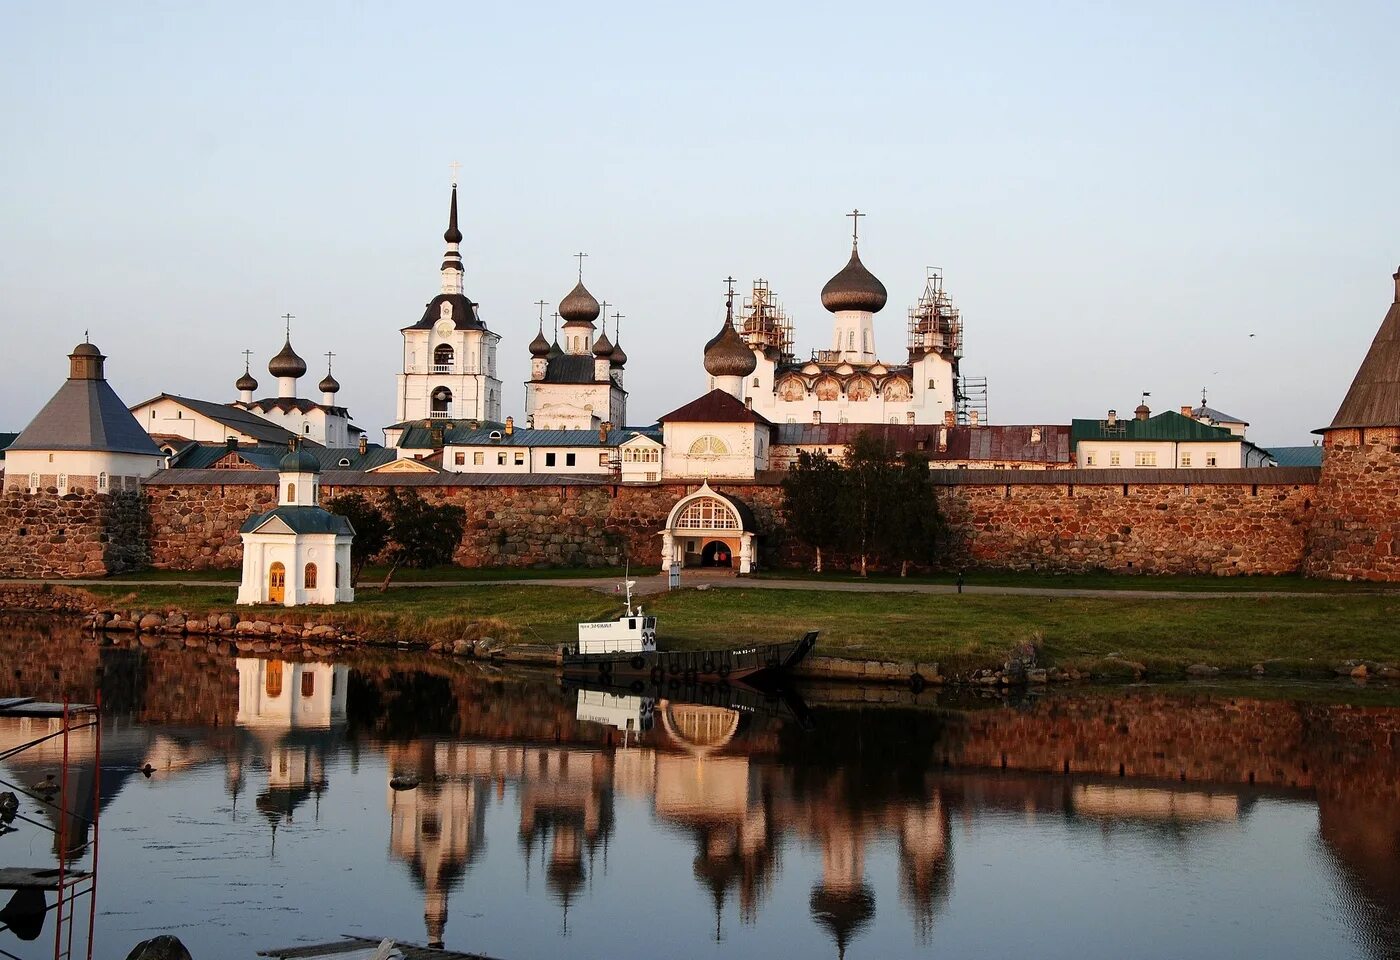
<point>579,306</point>
<point>619,357</point>
<point>854,288</point>
<point>1142,412</point>
<point>287,363</point>
<point>727,355</point>
<point>299,461</point>
<point>602,347</point>
<point>539,347</point>
<point>555,350</point>
<point>329,384</point>
<point>246,382</point>
<point>85,349</point>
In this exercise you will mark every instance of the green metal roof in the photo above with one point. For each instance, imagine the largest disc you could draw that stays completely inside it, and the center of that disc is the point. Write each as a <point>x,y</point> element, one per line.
<point>1170,426</point>
<point>1309,456</point>
<point>301,520</point>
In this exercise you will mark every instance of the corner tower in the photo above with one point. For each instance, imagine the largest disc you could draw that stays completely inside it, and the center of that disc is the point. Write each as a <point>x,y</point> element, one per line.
<point>1354,533</point>
<point>449,355</point>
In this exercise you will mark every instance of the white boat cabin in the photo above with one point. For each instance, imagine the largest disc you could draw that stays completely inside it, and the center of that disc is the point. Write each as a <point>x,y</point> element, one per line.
<point>630,633</point>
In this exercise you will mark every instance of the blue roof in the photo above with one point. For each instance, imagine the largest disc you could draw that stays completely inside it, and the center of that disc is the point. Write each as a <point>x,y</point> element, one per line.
<point>1309,456</point>
<point>301,520</point>
<point>267,456</point>
<point>418,437</point>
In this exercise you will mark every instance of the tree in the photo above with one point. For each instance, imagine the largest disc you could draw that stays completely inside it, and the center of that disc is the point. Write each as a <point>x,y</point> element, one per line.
<point>811,496</point>
<point>866,505</point>
<point>421,534</point>
<point>913,524</point>
<point>371,529</point>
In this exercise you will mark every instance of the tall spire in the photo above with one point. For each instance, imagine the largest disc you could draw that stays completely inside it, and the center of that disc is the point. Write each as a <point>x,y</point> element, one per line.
<point>452,259</point>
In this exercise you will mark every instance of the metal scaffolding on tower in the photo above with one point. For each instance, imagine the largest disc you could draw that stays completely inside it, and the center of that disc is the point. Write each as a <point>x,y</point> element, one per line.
<point>765,322</point>
<point>28,909</point>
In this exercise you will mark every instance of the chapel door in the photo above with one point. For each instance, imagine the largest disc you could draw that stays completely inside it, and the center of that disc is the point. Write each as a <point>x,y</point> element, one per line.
<point>277,584</point>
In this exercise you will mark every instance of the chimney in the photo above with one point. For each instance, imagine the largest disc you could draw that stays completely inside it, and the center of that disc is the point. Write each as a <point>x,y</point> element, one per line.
<point>603,429</point>
<point>232,443</point>
<point>950,419</point>
<point>364,444</point>
<point>510,425</point>
<point>1186,410</point>
<point>1113,418</point>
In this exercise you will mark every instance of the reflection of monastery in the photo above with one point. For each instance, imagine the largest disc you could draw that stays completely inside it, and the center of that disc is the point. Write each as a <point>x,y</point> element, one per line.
<point>862,786</point>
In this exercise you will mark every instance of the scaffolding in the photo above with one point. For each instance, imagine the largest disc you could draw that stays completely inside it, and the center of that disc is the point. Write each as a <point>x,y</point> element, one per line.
<point>765,324</point>
<point>970,397</point>
<point>28,909</point>
<point>935,324</point>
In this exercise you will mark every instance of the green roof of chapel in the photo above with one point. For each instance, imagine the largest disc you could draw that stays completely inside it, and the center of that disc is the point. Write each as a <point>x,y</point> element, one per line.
<point>1169,426</point>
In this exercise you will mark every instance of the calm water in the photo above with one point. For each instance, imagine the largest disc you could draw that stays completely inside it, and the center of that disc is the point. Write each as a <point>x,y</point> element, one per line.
<point>1191,822</point>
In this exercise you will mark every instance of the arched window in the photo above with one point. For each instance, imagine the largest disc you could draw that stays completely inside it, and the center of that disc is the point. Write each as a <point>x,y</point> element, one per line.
<point>442,402</point>
<point>102,480</point>
<point>851,340</point>
<point>707,513</point>
<point>33,483</point>
<point>291,493</point>
<point>308,579</point>
<point>337,575</point>
<point>709,446</point>
<point>274,678</point>
<point>308,684</point>
<point>442,358</point>
<point>62,484</point>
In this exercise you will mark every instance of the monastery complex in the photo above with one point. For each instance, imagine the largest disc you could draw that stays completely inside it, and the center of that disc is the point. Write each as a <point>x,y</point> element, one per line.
<point>93,485</point>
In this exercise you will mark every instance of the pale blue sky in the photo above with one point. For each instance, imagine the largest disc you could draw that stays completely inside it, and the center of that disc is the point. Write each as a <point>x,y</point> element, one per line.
<point>1120,194</point>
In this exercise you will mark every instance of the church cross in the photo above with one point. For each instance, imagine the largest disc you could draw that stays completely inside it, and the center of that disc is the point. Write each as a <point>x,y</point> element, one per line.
<point>542,304</point>
<point>855,216</point>
<point>329,354</point>
<point>580,255</point>
<point>288,318</point>
<point>604,314</point>
<point>729,283</point>
<point>617,319</point>
<point>454,166</point>
<point>556,326</point>
<point>247,360</point>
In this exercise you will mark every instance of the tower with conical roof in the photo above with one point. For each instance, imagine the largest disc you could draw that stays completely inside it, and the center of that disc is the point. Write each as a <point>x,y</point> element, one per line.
<point>449,354</point>
<point>1354,533</point>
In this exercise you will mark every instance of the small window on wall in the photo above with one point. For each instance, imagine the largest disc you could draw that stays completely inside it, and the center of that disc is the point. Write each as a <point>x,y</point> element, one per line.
<point>519,459</point>
<point>308,579</point>
<point>33,483</point>
<point>459,458</point>
<point>1145,458</point>
<point>1114,460</point>
<point>273,684</point>
<point>62,483</point>
<point>602,459</point>
<point>755,381</point>
<point>569,459</point>
<point>478,458</point>
<point>501,459</point>
<point>549,459</point>
<point>1088,459</point>
<point>337,575</point>
<point>1186,459</point>
<point>308,684</point>
<point>1210,461</point>
<point>102,481</point>
<point>291,492</point>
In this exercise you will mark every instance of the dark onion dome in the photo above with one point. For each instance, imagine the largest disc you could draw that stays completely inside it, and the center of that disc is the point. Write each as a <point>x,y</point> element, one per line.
<point>539,347</point>
<point>329,385</point>
<point>579,306</point>
<point>299,461</point>
<point>619,357</point>
<point>602,347</point>
<point>453,235</point>
<point>727,355</point>
<point>854,288</point>
<point>246,382</point>
<point>287,363</point>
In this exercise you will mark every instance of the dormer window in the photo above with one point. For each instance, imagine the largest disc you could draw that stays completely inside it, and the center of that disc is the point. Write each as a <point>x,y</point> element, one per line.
<point>344,461</point>
<point>495,434</point>
<point>446,311</point>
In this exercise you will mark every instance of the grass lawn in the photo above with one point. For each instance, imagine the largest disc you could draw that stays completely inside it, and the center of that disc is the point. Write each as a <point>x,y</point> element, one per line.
<point>375,574</point>
<point>1105,581</point>
<point>961,631</point>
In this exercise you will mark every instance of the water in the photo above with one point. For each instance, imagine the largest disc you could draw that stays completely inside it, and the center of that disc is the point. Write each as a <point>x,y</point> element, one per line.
<point>1264,825</point>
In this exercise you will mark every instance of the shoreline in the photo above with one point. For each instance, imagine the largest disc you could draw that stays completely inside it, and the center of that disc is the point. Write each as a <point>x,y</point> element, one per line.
<point>323,632</point>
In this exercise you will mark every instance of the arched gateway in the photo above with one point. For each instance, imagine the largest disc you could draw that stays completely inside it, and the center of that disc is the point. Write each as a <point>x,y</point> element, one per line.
<point>707,528</point>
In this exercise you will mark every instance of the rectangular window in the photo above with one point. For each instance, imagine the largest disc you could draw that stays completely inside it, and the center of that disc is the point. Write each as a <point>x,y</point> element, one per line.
<point>1145,458</point>
<point>1210,461</point>
<point>1186,459</point>
<point>459,458</point>
<point>1114,460</point>
<point>568,459</point>
<point>602,459</point>
<point>478,458</point>
<point>1088,459</point>
<point>549,459</point>
<point>501,459</point>
<point>519,459</point>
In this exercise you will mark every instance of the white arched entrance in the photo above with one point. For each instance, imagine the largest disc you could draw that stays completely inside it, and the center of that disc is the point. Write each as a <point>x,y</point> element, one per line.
<point>706,528</point>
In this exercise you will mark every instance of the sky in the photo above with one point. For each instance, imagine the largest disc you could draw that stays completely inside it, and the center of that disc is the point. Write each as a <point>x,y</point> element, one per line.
<point>1123,197</point>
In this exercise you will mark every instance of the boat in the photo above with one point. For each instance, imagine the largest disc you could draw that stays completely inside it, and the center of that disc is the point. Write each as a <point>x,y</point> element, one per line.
<point>627,647</point>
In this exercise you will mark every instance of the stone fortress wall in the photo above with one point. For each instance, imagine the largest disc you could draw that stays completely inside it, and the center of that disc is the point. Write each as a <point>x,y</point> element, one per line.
<point>1233,523</point>
<point>75,535</point>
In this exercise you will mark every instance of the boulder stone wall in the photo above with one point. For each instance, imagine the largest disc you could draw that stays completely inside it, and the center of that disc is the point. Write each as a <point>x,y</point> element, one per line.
<point>73,535</point>
<point>1355,534</point>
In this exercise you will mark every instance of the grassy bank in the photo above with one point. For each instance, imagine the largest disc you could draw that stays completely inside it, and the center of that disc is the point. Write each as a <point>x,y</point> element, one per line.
<point>1290,634</point>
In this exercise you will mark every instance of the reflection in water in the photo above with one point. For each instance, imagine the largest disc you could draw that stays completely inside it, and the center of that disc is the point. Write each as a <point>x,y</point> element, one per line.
<point>850,812</point>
